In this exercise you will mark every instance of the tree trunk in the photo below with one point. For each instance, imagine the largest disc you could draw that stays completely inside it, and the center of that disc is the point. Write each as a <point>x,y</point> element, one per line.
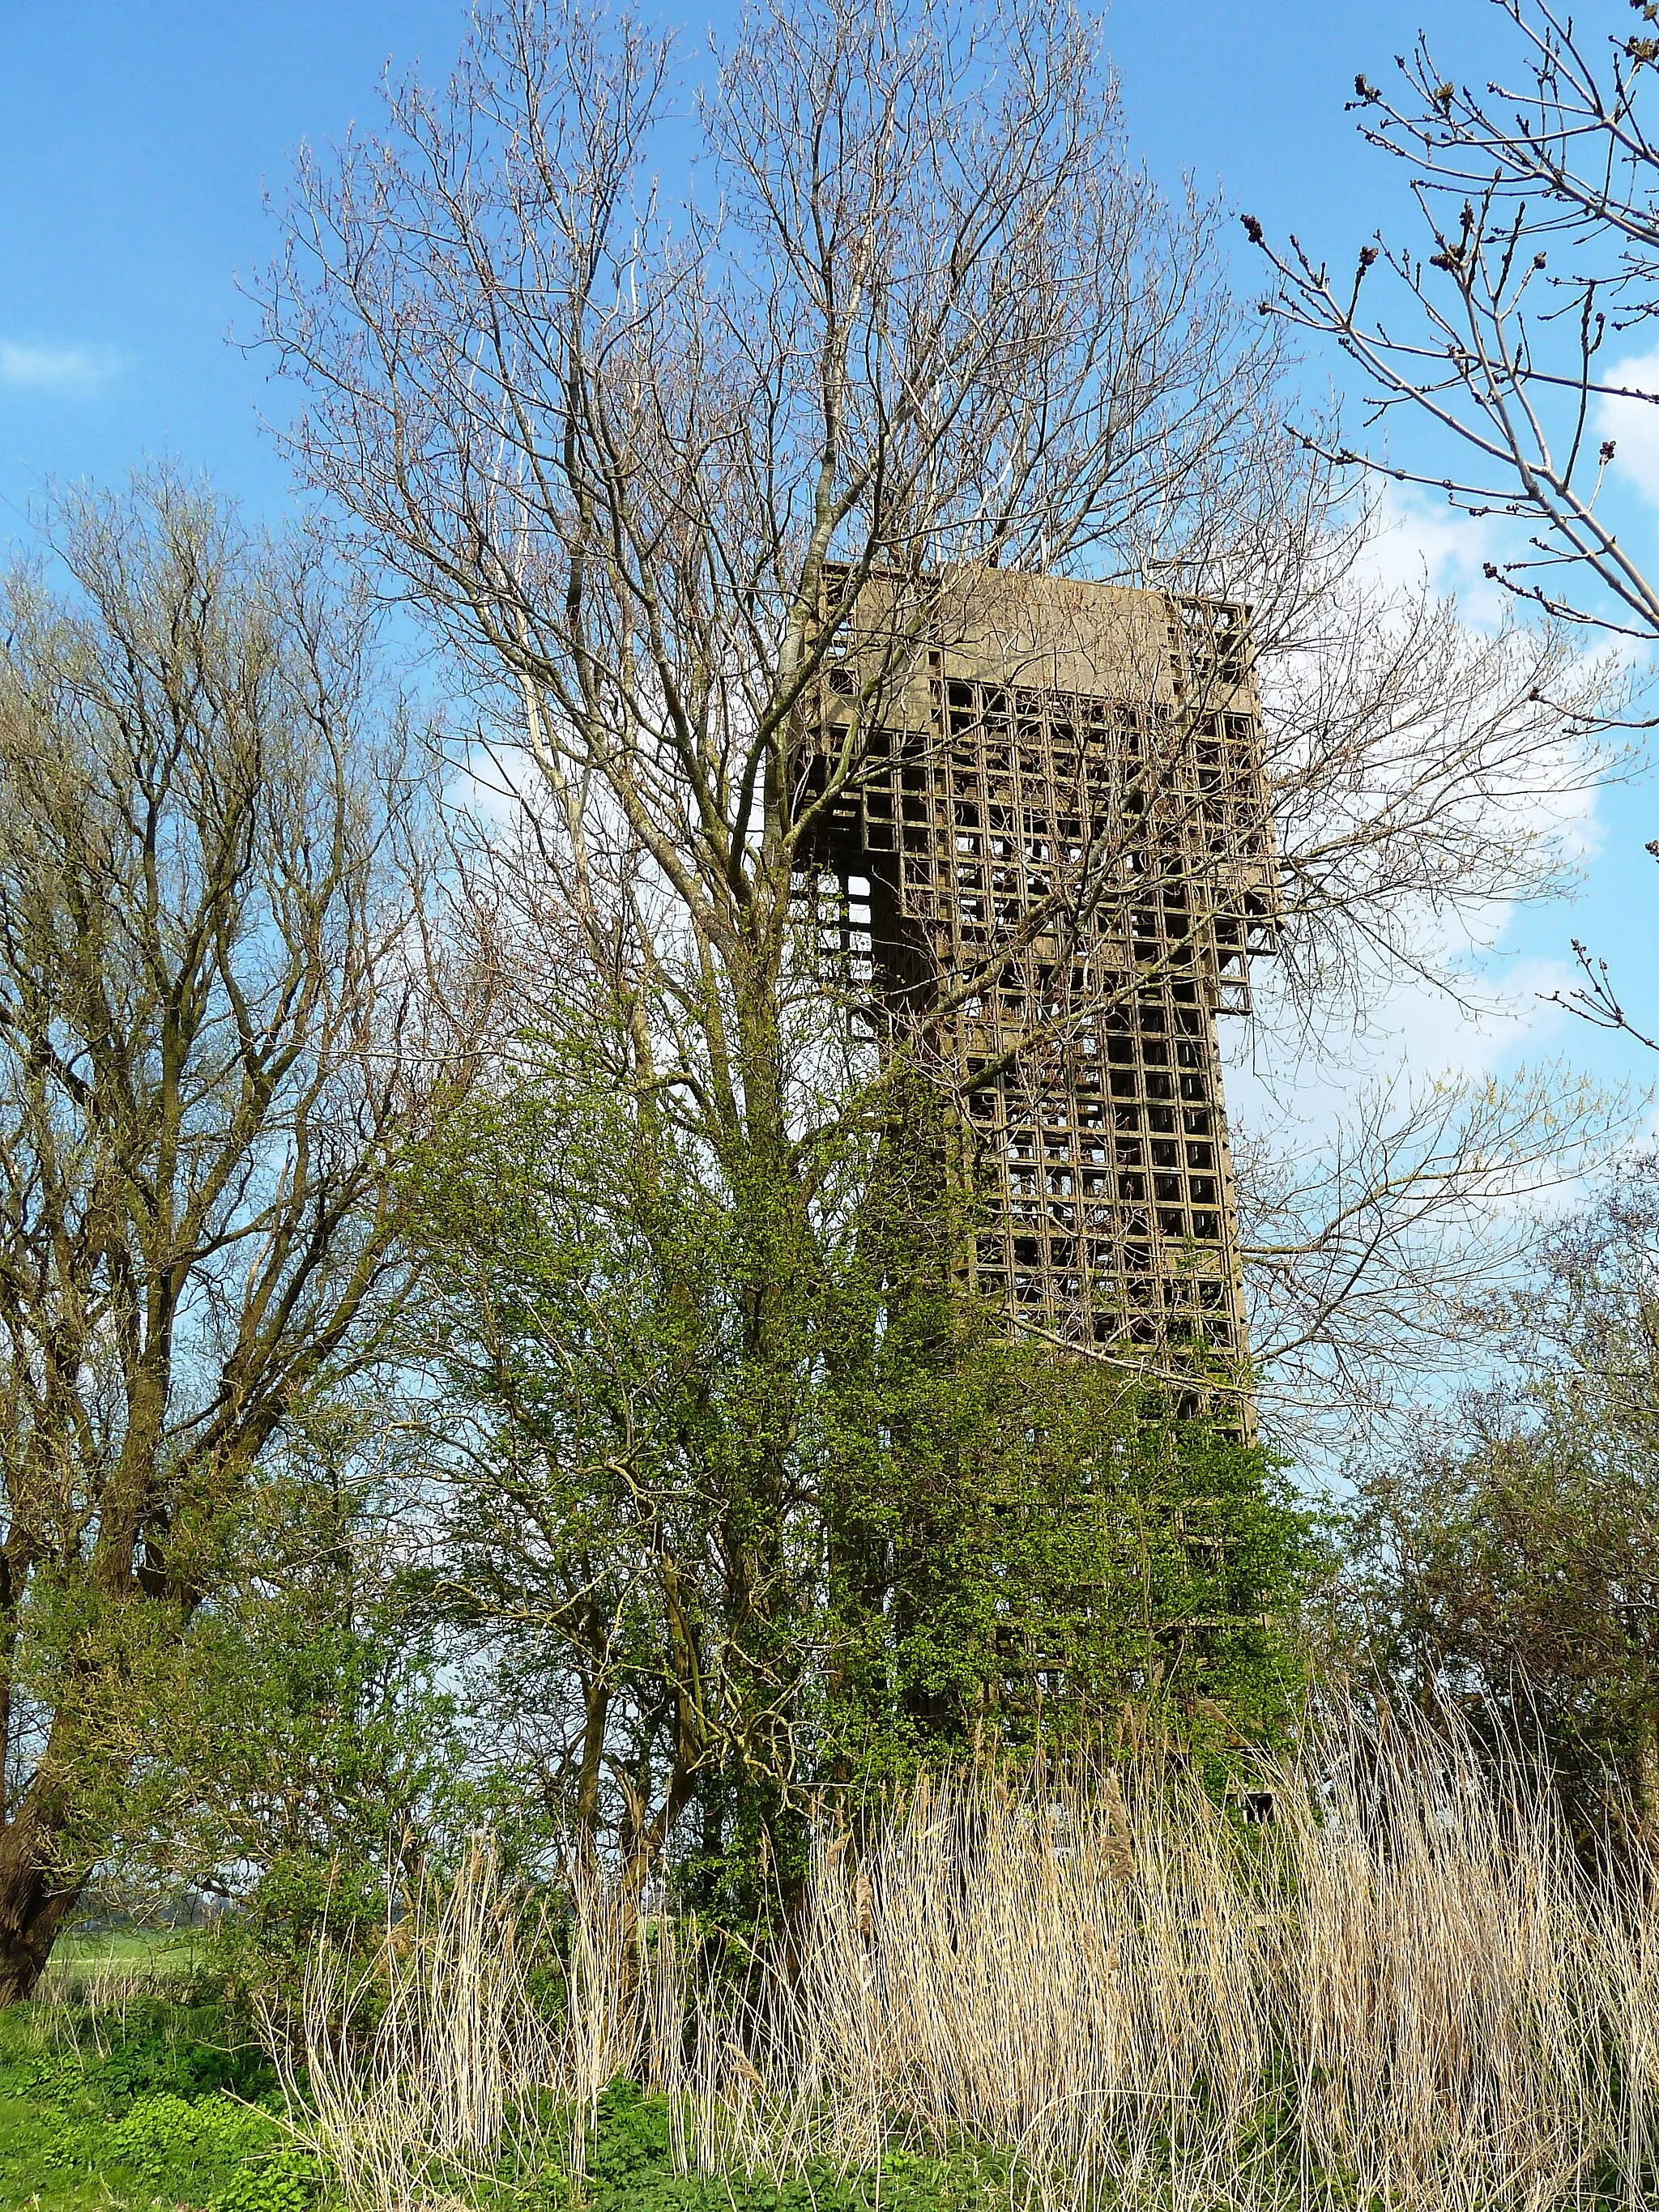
<point>36,1901</point>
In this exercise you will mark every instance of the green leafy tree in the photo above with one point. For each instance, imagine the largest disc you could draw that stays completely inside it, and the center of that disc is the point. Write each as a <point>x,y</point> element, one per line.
<point>216,1036</point>
<point>310,1761</point>
<point>980,1542</point>
<point>1512,1563</point>
<point>296,1759</point>
<point>634,413</point>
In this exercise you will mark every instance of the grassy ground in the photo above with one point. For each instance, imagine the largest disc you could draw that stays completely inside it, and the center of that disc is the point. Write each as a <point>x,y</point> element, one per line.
<point>148,2102</point>
<point>159,1951</point>
<point>122,2087</point>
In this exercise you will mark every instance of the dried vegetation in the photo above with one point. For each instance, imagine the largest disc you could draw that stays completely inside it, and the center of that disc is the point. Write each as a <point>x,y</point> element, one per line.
<point>1403,1988</point>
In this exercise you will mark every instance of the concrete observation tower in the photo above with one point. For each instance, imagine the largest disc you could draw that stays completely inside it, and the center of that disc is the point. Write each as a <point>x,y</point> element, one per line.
<point>1042,853</point>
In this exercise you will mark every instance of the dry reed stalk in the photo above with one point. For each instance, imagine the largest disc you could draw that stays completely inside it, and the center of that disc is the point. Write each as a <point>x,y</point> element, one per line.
<point>604,2032</point>
<point>1406,1990</point>
<point>74,2002</point>
<point>1626,1974</point>
<point>1432,1992</point>
<point>990,1966</point>
<point>390,2098</point>
<point>84,2002</point>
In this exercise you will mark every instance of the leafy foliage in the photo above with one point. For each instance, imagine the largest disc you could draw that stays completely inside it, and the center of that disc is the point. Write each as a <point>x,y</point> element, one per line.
<point>706,1570</point>
<point>147,2117</point>
<point>211,822</point>
<point>162,2099</point>
<point>631,2169</point>
<point>298,1754</point>
<point>1509,1563</point>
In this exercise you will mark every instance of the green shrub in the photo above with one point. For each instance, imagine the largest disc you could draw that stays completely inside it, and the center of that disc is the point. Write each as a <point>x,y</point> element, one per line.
<point>163,2133</point>
<point>130,2119</point>
<point>287,2183</point>
<point>631,2169</point>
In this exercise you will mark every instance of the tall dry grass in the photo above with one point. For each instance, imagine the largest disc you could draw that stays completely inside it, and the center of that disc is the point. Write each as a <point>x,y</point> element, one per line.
<point>403,2072</point>
<point>1403,1991</point>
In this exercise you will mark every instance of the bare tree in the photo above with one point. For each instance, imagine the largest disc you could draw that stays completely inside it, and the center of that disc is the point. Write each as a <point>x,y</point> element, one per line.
<point>217,1030</point>
<point>1373,1259</point>
<point>1536,193</point>
<point>1500,330</point>
<point>646,458</point>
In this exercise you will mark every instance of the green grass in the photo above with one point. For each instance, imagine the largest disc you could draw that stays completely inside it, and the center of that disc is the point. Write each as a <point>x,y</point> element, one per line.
<point>629,2170</point>
<point>159,1949</point>
<point>157,2104</point>
<point>103,1968</point>
<point>151,2105</point>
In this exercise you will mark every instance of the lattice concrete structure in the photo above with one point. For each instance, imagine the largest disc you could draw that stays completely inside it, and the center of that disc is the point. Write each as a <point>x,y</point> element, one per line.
<point>1052,866</point>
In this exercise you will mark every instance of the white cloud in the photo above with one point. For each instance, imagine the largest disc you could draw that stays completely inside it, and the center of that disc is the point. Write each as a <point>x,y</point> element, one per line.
<point>1633,424</point>
<point>494,784</point>
<point>74,372</point>
<point>1418,537</point>
<point>1416,1031</point>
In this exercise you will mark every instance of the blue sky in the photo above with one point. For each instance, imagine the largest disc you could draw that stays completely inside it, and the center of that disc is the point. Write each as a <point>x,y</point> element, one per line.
<point>137,139</point>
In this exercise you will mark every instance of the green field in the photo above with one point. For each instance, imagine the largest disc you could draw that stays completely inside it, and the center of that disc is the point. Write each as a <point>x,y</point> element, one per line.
<point>101,1965</point>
